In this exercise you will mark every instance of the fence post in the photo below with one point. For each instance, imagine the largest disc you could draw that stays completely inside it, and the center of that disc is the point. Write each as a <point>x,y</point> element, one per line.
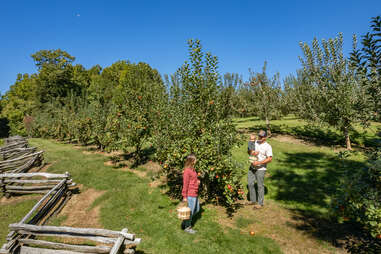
<point>6,194</point>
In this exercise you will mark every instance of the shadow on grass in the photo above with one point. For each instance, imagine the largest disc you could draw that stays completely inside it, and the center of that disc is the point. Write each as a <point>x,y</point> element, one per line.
<point>323,228</point>
<point>141,158</point>
<point>321,136</point>
<point>308,187</point>
<point>318,178</point>
<point>132,159</point>
<point>248,119</point>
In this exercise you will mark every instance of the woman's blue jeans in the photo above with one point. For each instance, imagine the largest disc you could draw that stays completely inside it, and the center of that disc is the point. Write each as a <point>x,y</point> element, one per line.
<point>194,205</point>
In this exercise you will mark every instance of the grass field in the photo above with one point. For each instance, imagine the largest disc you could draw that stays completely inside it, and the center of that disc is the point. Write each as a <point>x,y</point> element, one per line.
<point>320,135</point>
<point>129,201</point>
<point>303,178</point>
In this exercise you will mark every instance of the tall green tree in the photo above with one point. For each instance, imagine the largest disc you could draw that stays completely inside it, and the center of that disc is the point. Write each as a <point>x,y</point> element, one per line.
<point>267,95</point>
<point>19,102</point>
<point>230,85</point>
<point>367,64</point>
<point>194,120</point>
<point>55,74</point>
<point>137,96</point>
<point>290,96</point>
<point>330,92</point>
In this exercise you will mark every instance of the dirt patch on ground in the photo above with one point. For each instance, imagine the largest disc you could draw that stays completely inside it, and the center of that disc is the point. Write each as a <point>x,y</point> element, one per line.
<point>139,173</point>
<point>108,154</point>
<point>294,140</point>
<point>277,223</point>
<point>152,166</point>
<point>109,163</point>
<point>17,199</point>
<point>290,139</point>
<point>158,182</point>
<point>121,165</point>
<point>78,212</point>
<point>43,168</point>
<point>142,171</point>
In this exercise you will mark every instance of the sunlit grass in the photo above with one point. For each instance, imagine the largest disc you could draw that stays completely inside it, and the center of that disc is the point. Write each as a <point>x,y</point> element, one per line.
<point>302,176</point>
<point>325,135</point>
<point>130,202</point>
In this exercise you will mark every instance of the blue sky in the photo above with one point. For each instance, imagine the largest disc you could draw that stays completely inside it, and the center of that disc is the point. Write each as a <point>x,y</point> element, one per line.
<point>243,34</point>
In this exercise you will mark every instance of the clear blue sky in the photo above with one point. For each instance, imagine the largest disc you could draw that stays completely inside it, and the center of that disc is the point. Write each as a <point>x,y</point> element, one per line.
<point>243,34</point>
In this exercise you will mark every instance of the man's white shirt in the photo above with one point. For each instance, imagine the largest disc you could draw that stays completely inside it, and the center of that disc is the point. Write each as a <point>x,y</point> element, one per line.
<point>265,150</point>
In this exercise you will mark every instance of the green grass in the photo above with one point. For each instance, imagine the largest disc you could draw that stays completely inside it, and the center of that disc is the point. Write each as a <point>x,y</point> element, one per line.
<point>303,177</point>
<point>321,135</point>
<point>130,202</point>
<point>13,213</point>
<point>242,222</point>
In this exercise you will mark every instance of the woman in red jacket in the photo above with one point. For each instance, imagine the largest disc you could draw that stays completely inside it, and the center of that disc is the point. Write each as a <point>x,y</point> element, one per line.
<point>190,191</point>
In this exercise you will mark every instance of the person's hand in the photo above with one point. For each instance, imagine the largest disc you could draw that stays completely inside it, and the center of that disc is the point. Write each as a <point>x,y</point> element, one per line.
<point>185,199</point>
<point>256,163</point>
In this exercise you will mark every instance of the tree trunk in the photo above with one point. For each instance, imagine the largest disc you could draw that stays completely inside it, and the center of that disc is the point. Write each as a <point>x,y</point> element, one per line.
<point>268,130</point>
<point>347,139</point>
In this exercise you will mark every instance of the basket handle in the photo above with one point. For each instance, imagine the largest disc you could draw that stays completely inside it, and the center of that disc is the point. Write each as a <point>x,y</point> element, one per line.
<point>183,204</point>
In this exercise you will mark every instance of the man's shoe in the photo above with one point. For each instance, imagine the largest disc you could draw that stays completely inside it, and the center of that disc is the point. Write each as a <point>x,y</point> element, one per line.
<point>190,230</point>
<point>258,206</point>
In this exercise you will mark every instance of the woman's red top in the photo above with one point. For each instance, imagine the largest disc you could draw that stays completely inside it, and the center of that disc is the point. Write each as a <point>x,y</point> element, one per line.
<point>190,183</point>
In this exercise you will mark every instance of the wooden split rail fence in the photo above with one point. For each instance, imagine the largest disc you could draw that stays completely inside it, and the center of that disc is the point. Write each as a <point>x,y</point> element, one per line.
<point>14,139</point>
<point>11,144</point>
<point>105,241</point>
<point>25,183</point>
<point>24,235</point>
<point>17,157</point>
<point>22,163</point>
<point>50,204</point>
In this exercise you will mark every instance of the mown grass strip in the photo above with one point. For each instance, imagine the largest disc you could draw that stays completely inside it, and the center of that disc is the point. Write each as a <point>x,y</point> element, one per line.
<point>130,202</point>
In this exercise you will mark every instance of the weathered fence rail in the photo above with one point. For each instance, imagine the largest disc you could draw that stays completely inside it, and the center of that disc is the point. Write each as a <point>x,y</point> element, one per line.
<point>105,241</point>
<point>31,182</point>
<point>22,163</point>
<point>14,139</point>
<point>16,152</point>
<point>50,204</point>
<point>24,236</point>
<point>10,146</point>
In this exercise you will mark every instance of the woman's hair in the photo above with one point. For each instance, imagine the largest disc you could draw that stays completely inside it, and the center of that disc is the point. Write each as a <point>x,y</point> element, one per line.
<point>190,161</point>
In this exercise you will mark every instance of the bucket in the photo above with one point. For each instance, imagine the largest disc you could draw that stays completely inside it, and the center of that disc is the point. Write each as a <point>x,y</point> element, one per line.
<point>183,213</point>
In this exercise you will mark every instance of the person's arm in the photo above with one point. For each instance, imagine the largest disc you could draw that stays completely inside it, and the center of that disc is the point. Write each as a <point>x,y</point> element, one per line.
<point>269,158</point>
<point>186,179</point>
<point>264,162</point>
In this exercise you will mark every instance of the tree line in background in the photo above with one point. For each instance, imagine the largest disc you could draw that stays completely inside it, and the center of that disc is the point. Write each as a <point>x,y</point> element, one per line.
<point>131,105</point>
<point>330,89</point>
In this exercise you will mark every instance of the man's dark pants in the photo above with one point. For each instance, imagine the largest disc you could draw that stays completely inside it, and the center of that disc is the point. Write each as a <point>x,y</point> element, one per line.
<point>259,177</point>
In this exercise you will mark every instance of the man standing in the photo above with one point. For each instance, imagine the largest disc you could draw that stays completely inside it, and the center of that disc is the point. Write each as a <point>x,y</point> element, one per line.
<point>257,170</point>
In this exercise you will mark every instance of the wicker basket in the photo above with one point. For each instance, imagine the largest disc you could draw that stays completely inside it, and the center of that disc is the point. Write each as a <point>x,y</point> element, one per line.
<point>183,213</point>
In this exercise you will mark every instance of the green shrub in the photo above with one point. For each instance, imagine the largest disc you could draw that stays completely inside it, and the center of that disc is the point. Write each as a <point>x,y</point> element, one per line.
<point>358,201</point>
